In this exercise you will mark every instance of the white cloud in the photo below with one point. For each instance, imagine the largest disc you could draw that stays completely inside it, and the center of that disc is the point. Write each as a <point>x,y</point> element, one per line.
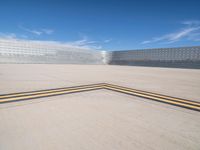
<point>195,37</point>
<point>48,31</point>
<point>191,31</point>
<point>107,40</point>
<point>35,32</point>
<point>83,43</point>
<point>86,43</point>
<point>24,36</point>
<point>181,34</point>
<point>8,35</point>
<point>38,31</point>
<point>191,22</point>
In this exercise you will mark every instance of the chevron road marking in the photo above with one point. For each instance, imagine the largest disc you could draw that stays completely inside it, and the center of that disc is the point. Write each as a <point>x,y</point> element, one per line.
<point>13,97</point>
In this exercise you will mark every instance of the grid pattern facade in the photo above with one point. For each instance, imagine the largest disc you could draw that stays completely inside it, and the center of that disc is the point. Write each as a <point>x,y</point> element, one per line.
<point>13,51</point>
<point>162,54</point>
<point>18,51</point>
<point>183,57</point>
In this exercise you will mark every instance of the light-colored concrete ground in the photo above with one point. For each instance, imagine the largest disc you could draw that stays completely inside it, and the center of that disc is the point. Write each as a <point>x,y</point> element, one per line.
<point>183,83</point>
<point>100,120</point>
<point>97,120</point>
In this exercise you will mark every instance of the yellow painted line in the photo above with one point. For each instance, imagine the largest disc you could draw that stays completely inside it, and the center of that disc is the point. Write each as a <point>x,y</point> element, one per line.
<point>53,92</point>
<point>48,91</point>
<point>48,94</point>
<point>156,98</point>
<point>154,94</point>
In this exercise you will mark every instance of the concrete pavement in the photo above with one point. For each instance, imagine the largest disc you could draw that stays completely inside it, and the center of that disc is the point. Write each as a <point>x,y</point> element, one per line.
<point>101,119</point>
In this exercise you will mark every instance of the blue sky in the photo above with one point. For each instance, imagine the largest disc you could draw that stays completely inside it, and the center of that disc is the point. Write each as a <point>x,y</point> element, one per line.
<point>103,24</point>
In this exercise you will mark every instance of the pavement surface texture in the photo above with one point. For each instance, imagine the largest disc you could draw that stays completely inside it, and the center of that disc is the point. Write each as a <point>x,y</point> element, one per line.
<point>182,83</point>
<point>101,119</point>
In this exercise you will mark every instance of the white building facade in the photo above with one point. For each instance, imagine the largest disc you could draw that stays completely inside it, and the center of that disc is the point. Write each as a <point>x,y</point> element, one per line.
<point>24,51</point>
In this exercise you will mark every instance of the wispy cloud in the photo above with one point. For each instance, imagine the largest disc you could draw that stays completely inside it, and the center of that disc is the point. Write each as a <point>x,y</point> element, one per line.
<point>86,43</point>
<point>107,40</point>
<point>191,31</point>
<point>37,31</point>
<point>191,22</point>
<point>47,31</point>
<point>83,43</point>
<point>7,35</point>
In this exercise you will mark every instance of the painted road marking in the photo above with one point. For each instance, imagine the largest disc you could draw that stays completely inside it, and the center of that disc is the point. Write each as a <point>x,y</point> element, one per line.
<point>155,95</point>
<point>67,90</point>
<point>48,91</point>
<point>188,106</point>
<point>47,94</point>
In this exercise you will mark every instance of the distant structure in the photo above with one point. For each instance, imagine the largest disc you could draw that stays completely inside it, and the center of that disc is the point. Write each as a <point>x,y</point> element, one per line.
<point>182,57</point>
<point>23,51</point>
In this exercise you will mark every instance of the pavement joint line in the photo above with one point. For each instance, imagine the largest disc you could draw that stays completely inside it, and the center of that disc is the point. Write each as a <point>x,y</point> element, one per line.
<point>13,97</point>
